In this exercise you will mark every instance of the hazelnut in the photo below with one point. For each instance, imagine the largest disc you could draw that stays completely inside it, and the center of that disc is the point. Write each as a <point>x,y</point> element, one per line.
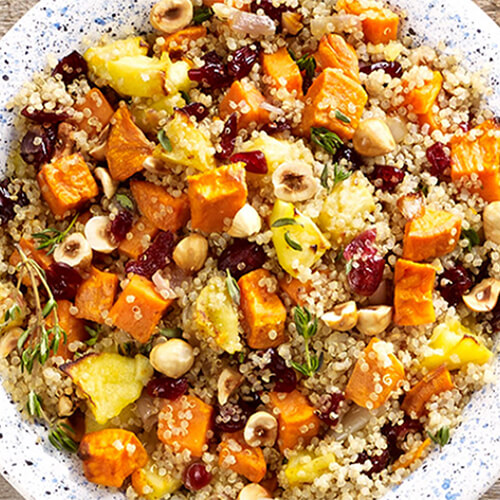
<point>294,181</point>
<point>109,186</point>
<point>173,358</point>
<point>343,317</point>
<point>169,16</point>
<point>191,253</point>
<point>229,380</point>
<point>98,235</point>
<point>253,491</point>
<point>246,222</point>
<point>483,297</point>
<point>374,319</point>
<point>75,251</point>
<point>373,137</point>
<point>261,429</point>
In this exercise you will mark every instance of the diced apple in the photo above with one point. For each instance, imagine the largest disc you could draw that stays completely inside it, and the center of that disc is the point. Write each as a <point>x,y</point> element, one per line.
<point>147,113</point>
<point>305,467</point>
<point>148,483</point>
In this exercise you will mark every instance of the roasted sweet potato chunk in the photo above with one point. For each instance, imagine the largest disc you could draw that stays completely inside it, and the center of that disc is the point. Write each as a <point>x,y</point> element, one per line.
<point>96,111</point>
<point>281,71</point>
<point>111,455</point>
<point>178,42</point>
<point>421,99</point>
<point>334,52</point>
<point>143,232</point>
<point>295,289</point>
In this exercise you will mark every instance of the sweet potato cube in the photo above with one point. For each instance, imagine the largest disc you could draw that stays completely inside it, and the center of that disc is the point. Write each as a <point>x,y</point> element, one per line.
<point>334,52</point>
<point>215,197</point>
<point>478,153</point>
<point>421,99</point>
<point>281,71</point>
<point>184,423</point>
<point>96,110</point>
<point>162,209</point>
<point>263,311</point>
<point>244,98</point>
<point>128,147</point>
<point>139,308</point>
<point>96,295</point>
<point>430,118</point>
<point>434,234</point>
<point>295,289</point>
<point>333,91</point>
<point>111,455</point>
<point>66,184</point>
<point>178,42</point>
<point>74,328</point>
<point>236,455</point>
<point>297,420</point>
<point>28,246</point>
<point>143,232</point>
<point>411,456</point>
<point>435,382</point>
<point>413,286</point>
<point>376,375</point>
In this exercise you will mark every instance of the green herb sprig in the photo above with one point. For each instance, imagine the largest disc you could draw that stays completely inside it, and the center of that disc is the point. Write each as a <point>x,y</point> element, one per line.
<point>202,14</point>
<point>306,326</point>
<point>472,236</point>
<point>164,141</point>
<point>339,175</point>
<point>340,116</point>
<point>93,334</point>
<point>51,237</point>
<point>329,141</point>
<point>292,243</point>
<point>442,436</point>
<point>285,221</point>
<point>185,96</point>
<point>124,201</point>
<point>308,65</point>
<point>233,288</point>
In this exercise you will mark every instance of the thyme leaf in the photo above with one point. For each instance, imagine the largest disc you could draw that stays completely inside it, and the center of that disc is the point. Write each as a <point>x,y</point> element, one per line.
<point>442,436</point>
<point>340,116</point>
<point>339,174</point>
<point>472,236</point>
<point>93,334</point>
<point>124,201</point>
<point>61,440</point>
<point>307,327</point>
<point>34,404</point>
<point>308,65</point>
<point>202,14</point>
<point>292,243</point>
<point>51,237</point>
<point>233,288</point>
<point>329,141</point>
<point>284,221</point>
<point>164,141</point>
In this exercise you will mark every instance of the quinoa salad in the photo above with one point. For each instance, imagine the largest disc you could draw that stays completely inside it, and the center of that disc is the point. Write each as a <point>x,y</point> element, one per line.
<point>251,253</point>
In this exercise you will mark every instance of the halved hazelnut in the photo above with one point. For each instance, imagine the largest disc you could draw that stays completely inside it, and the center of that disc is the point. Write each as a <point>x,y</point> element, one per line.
<point>75,251</point>
<point>261,429</point>
<point>483,297</point>
<point>294,181</point>
<point>343,317</point>
<point>374,320</point>
<point>169,16</point>
<point>229,381</point>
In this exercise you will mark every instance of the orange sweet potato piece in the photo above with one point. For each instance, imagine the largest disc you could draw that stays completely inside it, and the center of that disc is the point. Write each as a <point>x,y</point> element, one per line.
<point>413,286</point>
<point>281,71</point>
<point>434,234</point>
<point>333,91</point>
<point>478,152</point>
<point>215,197</point>
<point>250,462</point>
<point>198,417</point>
<point>244,98</point>
<point>421,99</point>
<point>295,415</point>
<point>100,112</point>
<point>164,210</point>
<point>67,183</point>
<point>140,316</point>
<point>377,373</point>
<point>139,242</point>
<point>411,456</point>
<point>263,311</point>
<point>429,118</point>
<point>177,42</point>
<point>29,247</point>
<point>334,52</point>
<point>435,382</point>
<point>295,289</point>
<point>128,147</point>
<point>111,455</point>
<point>74,328</point>
<point>96,295</point>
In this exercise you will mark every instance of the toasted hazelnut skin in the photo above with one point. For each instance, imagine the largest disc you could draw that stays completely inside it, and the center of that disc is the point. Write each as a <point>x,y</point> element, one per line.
<point>246,222</point>
<point>343,317</point>
<point>373,137</point>
<point>169,16</point>
<point>484,296</point>
<point>374,319</point>
<point>261,429</point>
<point>294,181</point>
<point>173,358</point>
<point>191,253</point>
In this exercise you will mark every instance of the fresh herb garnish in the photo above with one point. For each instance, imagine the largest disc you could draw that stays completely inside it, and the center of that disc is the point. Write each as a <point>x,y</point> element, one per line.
<point>292,243</point>
<point>329,141</point>
<point>308,65</point>
<point>202,14</point>
<point>472,236</point>
<point>325,177</point>
<point>93,334</point>
<point>34,404</point>
<point>340,116</point>
<point>185,96</point>
<point>124,201</point>
<point>13,313</point>
<point>441,437</point>
<point>164,141</point>
<point>60,439</point>
<point>241,357</point>
<point>284,221</point>
<point>51,237</point>
<point>306,326</point>
<point>126,349</point>
<point>233,288</point>
<point>339,175</point>
<point>422,188</point>
<point>171,333</point>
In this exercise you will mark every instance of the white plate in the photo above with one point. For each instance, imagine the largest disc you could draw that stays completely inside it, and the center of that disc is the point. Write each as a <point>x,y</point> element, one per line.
<point>463,470</point>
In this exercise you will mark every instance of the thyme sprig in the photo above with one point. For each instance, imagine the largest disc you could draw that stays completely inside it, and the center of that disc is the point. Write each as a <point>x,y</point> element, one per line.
<point>326,139</point>
<point>233,288</point>
<point>441,437</point>
<point>306,326</point>
<point>339,175</point>
<point>51,237</point>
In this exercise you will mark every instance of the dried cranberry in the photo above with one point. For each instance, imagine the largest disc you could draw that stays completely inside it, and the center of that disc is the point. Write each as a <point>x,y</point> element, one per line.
<point>361,245</point>
<point>328,412</point>
<point>71,67</point>
<point>395,434</point>
<point>63,281</point>
<point>347,153</point>
<point>111,96</point>
<point>231,417</point>
<point>156,257</point>
<point>439,159</point>
<point>228,137</point>
<point>9,201</point>
<point>196,476</point>
<point>285,377</point>
<point>167,388</point>
<point>454,283</point>
<point>378,462</point>
<point>465,126</point>
<point>254,161</point>
<point>387,177</point>
<point>44,116</point>
<point>121,225</point>
<point>196,109</point>
<point>213,73</point>
<point>242,61</point>
<point>276,127</point>
<point>392,68</point>
<point>241,257</point>
<point>269,9</point>
<point>38,144</point>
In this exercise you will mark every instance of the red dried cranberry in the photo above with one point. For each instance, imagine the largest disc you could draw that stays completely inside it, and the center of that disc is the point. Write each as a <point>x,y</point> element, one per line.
<point>387,177</point>
<point>196,476</point>
<point>378,462</point>
<point>111,96</point>
<point>213,73</point>
<point>439,159</point>
<point>347,153</point>
<point>63,281</point>
<point>44,116</point>
<point>196,109</point>
<point>361,245</point>
<point>465,126</point>
<point>269,9</point>
<point>8,201</point>
<point>71,67</point>
<point>285,378</point>
<point>156,257</point>
<point>276,127</point>
<point>392,68</point>
<point>38,144</point>
<point>121,225</point>
<point>454,283</point>
<point>230,417</point>
<point>328,412</point>
<point>241,257</point>
<point>167,388</point>
<point>254,161</point>
<point>395,434</point>
<point>242,61</point>
<point>228,137</point>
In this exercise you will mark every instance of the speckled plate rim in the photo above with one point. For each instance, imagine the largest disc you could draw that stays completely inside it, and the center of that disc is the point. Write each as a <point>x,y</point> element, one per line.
<point>465,468</point>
